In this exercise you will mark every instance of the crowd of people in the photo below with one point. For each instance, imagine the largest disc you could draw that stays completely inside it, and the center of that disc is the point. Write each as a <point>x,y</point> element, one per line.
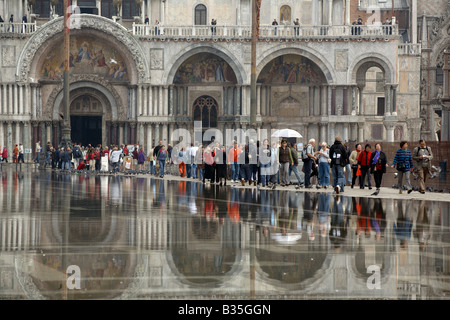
<point>264,165</point>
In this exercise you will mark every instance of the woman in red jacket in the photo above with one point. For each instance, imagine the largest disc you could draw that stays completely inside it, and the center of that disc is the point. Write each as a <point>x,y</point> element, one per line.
<point>364,164</point>
<point>5,155</point>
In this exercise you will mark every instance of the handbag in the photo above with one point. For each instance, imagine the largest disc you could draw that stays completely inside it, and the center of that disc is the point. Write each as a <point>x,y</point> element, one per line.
<point>401,167</point>
<point>354,166</point>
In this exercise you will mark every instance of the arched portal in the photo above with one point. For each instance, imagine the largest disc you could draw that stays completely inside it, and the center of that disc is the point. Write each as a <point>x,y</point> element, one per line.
<point>86,120</point>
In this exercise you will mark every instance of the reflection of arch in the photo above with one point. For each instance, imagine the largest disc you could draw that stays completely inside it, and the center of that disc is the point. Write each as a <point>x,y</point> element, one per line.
<point>316,57</point>
<point>188,52</point>
<point>50,33</point>
<point>205,109</point>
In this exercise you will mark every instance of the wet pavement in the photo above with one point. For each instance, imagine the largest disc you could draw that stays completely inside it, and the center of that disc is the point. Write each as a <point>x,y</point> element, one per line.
<point>85,236</point>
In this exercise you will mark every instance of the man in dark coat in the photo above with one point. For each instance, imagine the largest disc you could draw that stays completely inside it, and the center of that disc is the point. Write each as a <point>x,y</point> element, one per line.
<point>339,159</point>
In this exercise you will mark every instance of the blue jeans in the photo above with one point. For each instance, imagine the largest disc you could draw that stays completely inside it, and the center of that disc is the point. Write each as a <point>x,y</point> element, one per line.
<point>188,170</point>
<point>66,165</point>
<point>307,168</point>
<point>235,171</point>
<point>193,170</point>
<point>348,169</point>
<point>246,173</point>
<point>201,173</point>
<point>338,176</point>
<point>161,167</point>
<point>324,173</point>
<point>152,167</point>
<point>294,169</point>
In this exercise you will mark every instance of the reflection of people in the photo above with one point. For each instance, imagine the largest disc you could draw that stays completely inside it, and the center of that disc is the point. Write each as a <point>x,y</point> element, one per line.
<point>403,226</point>
<point>422,231</point>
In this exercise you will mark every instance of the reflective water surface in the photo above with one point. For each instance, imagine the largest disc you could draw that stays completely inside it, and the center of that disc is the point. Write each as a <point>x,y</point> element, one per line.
<point>66,236</point>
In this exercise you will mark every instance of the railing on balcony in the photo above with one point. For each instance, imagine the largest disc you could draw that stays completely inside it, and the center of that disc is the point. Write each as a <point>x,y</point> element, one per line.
<point>18,27</point>
<point>265,31</point>
<point>410,49</point>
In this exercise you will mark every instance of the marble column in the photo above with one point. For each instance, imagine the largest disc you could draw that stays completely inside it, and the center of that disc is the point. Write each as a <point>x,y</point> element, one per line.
<point>139,101</point>
<point>157,133</point>
<point>390,125</point>
<point>360,108</point>
<point>21,106</point>
<point>323,100</point>
<point>387,99</point>
<point>345,102</point>
<point>9,138</point>
<point>150,101</point>
<point>165,100</point>
<point>12,109</point>
<point>33,100</point>
<point>1,100</point>
<point>27,99</point>
<point>18,138</point>
<point>333,101</point>
<point>331,132</point>
<point>48,133</point>
<point>140,139</point>
<point>361,131</point>
<point>5,103</point>
<point>149,136</point>
<point>2,136</point>
<point>160,101</point>
<point>354,131</point>
<point>330,12</point>
<point>165,138</point>
<point>353,112</point>
<point>121,134</point>
<point>323,132</point>
<point>394,100</point>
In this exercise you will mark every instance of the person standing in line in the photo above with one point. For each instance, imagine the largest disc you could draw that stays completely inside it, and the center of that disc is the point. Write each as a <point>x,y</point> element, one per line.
<point>285,160</point>
<point>141,160</point>
<point>338,156</point>
<point>21,157</point>
<point>16,153</point>
<point>348,167</point>
<point>200,162</point>
<point>403,162</point>
<point>422,155</point>
<point>353,160</point>
<point>378,164</point>
<point>294,167</point>
<point>364,164</point>
<point>5,155</point>
<point>38,151</point>
<point>308,162</point>
<point>155,157</point>
<point>324,165</point>
<point>233,156</point>
<point>115,159</point>
<point>192,153</point>
<point>221,164</point>
<point>162,157</point>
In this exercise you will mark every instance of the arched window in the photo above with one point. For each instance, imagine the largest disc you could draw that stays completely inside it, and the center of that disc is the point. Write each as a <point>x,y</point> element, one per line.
<point>285,14</point>
<point>200,15</point>
<point>205,110</point>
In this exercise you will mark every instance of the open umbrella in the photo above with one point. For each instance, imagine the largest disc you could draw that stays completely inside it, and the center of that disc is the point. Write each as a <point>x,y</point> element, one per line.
<point>286,133</point>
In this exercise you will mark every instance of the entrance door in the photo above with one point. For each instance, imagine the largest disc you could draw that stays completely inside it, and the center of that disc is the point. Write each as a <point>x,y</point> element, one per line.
<point>86,130</point>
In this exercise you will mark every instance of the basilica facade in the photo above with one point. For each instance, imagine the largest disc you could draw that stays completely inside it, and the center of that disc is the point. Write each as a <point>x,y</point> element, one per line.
<point>139,70</point>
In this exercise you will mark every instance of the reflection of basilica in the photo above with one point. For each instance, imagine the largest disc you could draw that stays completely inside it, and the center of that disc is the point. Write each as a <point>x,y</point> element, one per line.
<point>139,237</point>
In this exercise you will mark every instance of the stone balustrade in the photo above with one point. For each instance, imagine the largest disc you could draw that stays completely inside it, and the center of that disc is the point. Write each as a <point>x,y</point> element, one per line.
<point>18,27</point>
<point>265,31</point>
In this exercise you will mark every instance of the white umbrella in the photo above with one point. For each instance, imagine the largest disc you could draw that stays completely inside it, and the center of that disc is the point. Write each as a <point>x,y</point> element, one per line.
<point>286,133</point>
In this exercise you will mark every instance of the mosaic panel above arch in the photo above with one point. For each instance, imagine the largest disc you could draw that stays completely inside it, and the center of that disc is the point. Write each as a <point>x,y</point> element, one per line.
<point>291,69</point>
<point>204,68</point>
<point>88,55</point>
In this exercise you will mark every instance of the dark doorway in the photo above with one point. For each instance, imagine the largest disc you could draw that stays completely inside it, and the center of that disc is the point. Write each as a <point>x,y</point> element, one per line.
<point>380,106</point>
<point>86,130</point>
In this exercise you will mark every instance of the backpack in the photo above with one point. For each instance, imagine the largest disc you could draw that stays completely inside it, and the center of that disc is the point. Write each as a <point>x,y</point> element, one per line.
<point>78,153</point>
<point>305,154</point>
<point>339,157</point>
